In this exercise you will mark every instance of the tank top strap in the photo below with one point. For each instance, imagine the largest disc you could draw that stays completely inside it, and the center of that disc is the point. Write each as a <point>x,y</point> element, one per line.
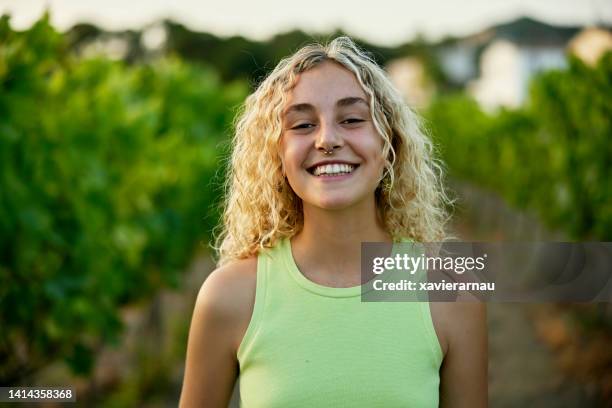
<point>265,259</point>
<point>274,286</point>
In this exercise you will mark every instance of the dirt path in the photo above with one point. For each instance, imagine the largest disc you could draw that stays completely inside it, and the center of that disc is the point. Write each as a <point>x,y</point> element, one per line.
<point>522,370</point>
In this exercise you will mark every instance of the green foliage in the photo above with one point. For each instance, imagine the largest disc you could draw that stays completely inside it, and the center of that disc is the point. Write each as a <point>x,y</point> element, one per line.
<point>575,110</point>
<point>106,176</point>
<point>553,156</point>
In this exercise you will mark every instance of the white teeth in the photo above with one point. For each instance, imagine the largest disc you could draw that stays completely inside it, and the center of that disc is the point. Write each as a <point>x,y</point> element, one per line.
<point>333,169</point>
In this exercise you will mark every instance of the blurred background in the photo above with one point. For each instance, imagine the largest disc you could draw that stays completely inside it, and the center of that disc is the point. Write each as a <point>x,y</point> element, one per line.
<point>115,118</point>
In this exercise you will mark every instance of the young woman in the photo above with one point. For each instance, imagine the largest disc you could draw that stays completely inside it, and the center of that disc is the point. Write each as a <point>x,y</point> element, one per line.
<point>326,156</point>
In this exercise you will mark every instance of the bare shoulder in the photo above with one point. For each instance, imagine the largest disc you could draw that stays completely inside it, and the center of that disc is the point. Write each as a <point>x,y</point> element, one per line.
<point>222,306</point>
<point>456,322</point>
<point>229,281</point>
<point>227,296</point>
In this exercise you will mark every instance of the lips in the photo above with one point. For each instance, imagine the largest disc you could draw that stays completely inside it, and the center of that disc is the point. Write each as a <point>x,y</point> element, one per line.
<point>326,176</point>
<point>324,162</point>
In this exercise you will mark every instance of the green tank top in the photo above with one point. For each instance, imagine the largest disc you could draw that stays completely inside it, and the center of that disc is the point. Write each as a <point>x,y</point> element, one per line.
<point>309,345</point>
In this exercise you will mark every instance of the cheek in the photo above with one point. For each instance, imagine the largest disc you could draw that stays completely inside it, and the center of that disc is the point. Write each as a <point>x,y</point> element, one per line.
<point>284,150</point>
<point>371,147</point>
<point>375,155</point>
<point>293,156</point>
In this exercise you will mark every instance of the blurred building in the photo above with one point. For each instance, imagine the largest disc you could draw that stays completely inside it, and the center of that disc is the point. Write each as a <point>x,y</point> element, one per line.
<point>496,64</point>
<point>590,44</point>
<point>154,37</point>
<point>459,61</point>
<point>409,76</point>
<point>506,69</point>
<point>512,55</point>
<point>508,65</point>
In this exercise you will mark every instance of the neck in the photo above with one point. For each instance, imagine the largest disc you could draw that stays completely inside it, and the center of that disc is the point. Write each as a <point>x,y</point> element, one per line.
<point>327,249</point>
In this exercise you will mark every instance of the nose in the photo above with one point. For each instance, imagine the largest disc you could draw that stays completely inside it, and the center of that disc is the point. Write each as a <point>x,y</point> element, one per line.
<point>328,137</point>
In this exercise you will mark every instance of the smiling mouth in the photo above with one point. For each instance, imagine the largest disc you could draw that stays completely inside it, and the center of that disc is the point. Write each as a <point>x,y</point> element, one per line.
<point>330,172</point>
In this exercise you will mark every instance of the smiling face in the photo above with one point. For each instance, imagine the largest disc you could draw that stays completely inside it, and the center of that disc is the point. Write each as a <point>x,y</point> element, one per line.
<point>328,110</point>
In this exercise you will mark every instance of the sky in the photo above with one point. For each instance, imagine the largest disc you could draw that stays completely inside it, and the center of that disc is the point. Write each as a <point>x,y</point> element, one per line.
<point>383,22</point>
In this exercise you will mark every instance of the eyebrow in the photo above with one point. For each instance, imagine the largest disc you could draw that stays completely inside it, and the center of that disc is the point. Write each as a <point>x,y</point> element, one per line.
<point>342,103</point>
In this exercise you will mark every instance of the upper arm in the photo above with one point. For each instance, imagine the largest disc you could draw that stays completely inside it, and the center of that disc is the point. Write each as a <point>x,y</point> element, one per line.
<point>220,317</point>
<point>463,375</point>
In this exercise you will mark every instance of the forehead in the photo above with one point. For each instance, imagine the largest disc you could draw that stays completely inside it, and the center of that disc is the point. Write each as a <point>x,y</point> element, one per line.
<point>327,82</point>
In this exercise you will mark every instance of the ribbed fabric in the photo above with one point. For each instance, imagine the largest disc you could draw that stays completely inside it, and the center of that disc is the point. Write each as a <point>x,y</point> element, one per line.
<point>309,345</point>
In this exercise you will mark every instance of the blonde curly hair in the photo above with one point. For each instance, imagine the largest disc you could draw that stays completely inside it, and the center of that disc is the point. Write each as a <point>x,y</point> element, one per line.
<point>259,207</point>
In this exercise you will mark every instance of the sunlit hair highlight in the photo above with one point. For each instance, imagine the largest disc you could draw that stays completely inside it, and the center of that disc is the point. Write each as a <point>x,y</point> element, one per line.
<point>259,207</point>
